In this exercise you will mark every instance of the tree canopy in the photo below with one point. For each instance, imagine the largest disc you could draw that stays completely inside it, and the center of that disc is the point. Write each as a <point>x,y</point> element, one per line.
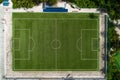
<point>51,2</point>
<point>30,3</point>
<point>1,1</point>
<point>112,6</point>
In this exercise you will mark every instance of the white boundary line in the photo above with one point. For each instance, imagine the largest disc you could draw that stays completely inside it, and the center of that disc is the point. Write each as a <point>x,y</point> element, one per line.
<point>53,19</point>
<point>98,26</point>
<point>56,37</point>
<point>56,42</point>
<point>57,69</point>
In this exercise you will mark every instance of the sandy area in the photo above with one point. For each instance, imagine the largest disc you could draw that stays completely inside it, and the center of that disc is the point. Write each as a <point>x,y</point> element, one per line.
<point>46,74</point>
<point>1,43</point>
<point>103,43</point>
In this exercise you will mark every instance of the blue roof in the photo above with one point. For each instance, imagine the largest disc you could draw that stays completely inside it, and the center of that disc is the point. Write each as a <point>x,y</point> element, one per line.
<point>5,0</point>
<point>5,3</point>
<point>55,9</point>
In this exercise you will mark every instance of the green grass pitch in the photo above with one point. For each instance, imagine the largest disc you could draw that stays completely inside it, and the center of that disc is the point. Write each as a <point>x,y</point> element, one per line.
<point>55,42</point>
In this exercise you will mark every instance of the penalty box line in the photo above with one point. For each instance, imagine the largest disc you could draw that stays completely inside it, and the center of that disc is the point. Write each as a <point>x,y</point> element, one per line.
<point>29,57</point>
<point>81,44</point>
<point>28,44</point>
<point>81,48</point>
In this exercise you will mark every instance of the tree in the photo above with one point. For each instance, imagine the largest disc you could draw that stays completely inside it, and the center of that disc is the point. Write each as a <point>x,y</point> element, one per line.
<point>23,3</point>
<point>1,1</point>
<point>115,73</point>
<point>113,37</point>
<point>30,3</point>
<point>51,2</point>
<point>91,15</point>
<point>112,6</point>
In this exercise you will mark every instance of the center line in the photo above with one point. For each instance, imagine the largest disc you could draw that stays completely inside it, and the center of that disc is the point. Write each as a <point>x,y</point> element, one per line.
<point>56,42</point>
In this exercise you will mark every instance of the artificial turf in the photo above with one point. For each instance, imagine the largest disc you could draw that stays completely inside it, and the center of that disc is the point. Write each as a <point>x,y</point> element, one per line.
<point>55,42</point>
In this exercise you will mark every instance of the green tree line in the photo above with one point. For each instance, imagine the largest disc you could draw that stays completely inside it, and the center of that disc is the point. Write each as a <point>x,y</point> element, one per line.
<point>1,1</point>
<point>30,3</point>
<point>113,72</point>
<point>112,6</point>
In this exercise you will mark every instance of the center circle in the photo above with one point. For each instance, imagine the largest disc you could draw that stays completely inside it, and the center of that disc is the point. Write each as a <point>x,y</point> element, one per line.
<point>56,44</point>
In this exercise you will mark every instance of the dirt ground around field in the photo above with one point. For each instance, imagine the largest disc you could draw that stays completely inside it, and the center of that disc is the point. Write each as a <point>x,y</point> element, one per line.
<point>50,74</point>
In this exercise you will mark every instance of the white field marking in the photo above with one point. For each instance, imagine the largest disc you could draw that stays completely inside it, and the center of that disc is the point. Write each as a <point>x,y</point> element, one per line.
<point>87,29</point>
<point>98,63</point>
<point>81,48</point>
<point>21,59</point>
<point>81,44</point>
<point>53,19</point>
<point>57,69</point>
<point>18,38</point>
<point>98,32</point>
<point>13,42</point>
<point>92,41</point>
<point>56,42</point>
<point>21,29</point>
<point>28,44</point>
<point>33,43</point>
<point>77,44</point>
<point>28,50</point>
<point>91,59</point>
<point>98,43</point>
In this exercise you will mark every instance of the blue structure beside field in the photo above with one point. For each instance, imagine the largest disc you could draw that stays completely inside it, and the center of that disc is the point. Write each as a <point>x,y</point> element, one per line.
<point>55,9</point>
<point>5,3</point>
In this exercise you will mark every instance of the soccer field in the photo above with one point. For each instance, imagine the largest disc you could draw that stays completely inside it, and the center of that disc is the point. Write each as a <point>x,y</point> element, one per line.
<point>55,42</point>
